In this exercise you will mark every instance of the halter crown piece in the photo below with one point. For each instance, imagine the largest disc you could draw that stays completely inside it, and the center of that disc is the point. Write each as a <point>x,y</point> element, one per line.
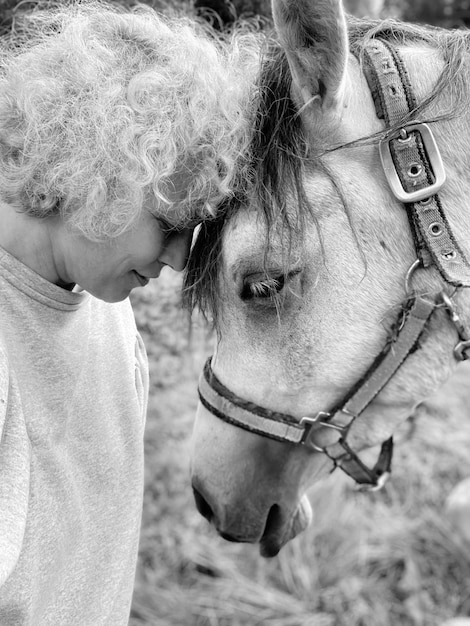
<point>414,170</point>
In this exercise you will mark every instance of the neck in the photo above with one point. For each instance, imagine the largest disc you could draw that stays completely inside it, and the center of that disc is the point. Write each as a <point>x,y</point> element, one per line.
<point>29,240</point>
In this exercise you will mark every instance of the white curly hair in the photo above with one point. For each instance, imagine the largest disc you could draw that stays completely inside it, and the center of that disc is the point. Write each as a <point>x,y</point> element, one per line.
<point>100,107</point>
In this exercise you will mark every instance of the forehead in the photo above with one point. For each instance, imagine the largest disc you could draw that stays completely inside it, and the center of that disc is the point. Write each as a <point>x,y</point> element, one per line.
<point>174,207</point>
<point>250,247</point>
<point>255,230</point>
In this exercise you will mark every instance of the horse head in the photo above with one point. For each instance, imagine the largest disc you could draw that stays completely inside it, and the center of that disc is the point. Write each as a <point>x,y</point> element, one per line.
<point>335,277</point>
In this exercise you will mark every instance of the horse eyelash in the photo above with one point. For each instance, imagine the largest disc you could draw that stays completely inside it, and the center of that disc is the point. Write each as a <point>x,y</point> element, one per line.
<point>267,288</point>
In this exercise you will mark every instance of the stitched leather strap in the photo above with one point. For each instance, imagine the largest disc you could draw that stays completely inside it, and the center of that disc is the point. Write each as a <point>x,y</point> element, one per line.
<point>223,403</point>
<point>391,90</point>
<point>375,380</point>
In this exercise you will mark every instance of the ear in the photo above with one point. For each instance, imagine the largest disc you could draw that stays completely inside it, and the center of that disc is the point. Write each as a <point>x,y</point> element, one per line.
<point>314,36</point>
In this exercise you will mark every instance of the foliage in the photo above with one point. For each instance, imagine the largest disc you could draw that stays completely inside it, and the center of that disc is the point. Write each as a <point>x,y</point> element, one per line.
<point>448,13</point>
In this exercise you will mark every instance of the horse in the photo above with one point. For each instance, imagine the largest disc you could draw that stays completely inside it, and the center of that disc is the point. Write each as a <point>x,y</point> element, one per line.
<point>337,275</point>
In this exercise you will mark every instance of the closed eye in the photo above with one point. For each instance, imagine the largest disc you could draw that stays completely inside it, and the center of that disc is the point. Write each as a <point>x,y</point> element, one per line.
<point>165,226</point>
<point>268,287</point>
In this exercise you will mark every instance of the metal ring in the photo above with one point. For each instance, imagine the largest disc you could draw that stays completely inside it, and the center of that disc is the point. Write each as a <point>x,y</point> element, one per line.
<point>447,302</point>
<point>413,267</point>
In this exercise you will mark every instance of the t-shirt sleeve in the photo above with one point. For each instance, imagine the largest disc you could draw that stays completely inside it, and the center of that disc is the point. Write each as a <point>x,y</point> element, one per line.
<point>141,375</point>
<point>14,471</point>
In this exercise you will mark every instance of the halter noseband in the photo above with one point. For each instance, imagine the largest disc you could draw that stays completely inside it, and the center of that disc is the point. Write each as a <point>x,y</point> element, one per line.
<point>414,171</point>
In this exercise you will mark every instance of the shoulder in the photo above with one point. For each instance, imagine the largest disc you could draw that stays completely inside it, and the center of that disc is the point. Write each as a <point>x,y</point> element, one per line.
<point>12,426</point>
<point>14,469</point>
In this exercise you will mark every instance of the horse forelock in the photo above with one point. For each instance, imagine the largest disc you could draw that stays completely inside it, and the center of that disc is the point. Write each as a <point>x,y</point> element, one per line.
<point>273,166</point>
<point>279,154</point>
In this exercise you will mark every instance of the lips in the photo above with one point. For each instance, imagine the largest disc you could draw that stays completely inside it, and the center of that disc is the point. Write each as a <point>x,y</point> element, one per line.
<point>279,531</point>
<point>143,280</point>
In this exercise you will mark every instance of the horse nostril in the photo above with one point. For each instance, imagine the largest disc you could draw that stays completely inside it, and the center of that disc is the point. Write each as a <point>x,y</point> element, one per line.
<point>273,521</point>
<point>228,537</point>
<point>202,506</point>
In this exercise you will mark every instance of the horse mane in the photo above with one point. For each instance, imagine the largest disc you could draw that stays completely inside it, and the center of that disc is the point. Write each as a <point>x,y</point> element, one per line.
<point>279,153</point>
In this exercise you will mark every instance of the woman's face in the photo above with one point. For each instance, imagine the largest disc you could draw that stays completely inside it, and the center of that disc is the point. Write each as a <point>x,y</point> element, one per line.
<point>109,270</point>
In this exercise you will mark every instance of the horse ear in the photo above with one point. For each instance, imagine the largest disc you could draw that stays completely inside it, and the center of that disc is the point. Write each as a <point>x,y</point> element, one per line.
<point>314,36</point>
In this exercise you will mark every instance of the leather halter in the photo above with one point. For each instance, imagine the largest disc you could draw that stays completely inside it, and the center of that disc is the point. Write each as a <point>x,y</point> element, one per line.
<point>414,171</point>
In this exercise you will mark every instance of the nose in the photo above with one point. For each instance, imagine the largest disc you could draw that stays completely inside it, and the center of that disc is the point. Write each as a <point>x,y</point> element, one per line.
<point>202,505</point>
<point>176,250</point>
<point>272,517</point>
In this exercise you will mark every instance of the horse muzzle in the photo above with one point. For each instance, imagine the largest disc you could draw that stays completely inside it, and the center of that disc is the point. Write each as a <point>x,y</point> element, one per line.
<point>233,473</point>
<point>279,527</point>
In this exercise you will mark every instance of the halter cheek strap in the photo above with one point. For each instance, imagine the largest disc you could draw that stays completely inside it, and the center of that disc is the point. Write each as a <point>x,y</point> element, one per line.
<point>412,163</point>
<point>414,171</point>
<point>333,425</point>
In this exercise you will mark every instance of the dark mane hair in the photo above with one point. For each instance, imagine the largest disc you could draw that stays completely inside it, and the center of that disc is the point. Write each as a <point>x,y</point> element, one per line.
<point>279,153</point>
<point>277,149</point>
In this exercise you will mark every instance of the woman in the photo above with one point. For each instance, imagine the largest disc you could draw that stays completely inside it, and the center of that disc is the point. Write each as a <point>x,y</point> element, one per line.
<point>118,133</point>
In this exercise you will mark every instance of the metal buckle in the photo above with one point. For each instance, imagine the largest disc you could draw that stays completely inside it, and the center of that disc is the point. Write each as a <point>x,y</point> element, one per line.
<point>464,343</point>
<point>321,419</point>
<point>381,480</point>
<point>433,155</point>
<point>460,350</point>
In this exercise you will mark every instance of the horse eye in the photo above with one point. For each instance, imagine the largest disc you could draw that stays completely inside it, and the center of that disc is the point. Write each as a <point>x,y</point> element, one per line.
<point>266,288</point>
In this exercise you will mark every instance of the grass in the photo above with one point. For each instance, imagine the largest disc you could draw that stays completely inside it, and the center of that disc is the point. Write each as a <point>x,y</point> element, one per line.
<point>377,559</point>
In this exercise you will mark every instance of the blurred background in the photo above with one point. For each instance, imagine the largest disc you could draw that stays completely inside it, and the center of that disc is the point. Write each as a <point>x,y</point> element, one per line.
<point>384,559</point>
<point>447,13</point>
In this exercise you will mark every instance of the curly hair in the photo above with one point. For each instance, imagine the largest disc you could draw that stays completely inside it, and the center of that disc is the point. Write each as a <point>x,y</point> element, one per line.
<point>100,107</point>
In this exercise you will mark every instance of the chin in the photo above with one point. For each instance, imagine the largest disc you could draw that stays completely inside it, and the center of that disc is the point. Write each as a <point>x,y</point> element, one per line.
<point>111,297</point>
<point>115,299</point>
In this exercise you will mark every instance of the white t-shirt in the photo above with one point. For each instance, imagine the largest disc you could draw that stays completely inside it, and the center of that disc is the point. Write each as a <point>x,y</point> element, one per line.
<point>73,399</point>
